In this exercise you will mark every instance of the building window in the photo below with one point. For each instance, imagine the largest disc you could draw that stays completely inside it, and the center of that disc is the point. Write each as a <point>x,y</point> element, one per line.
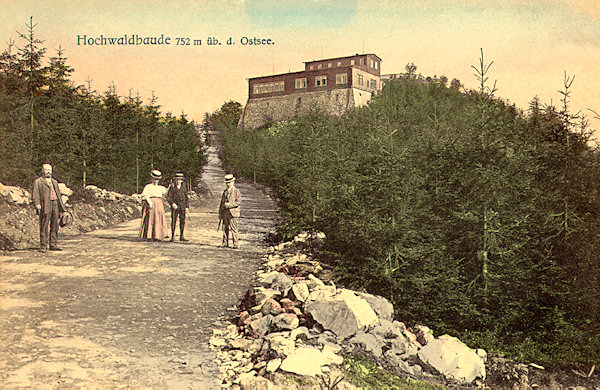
<point>372,64</point>
<point>341,78</point>
<point>359,79</point>
<point>312,67</point>
<point>278,86</point>
<point>339,63</point>
<point>352,62</point>
<point>301,83</point>
<point>376,65</point>
<point>319,66</point>
<point>320,81</point>
<point>329,64</point>
<point>374,84</point>
<point>361,61</point>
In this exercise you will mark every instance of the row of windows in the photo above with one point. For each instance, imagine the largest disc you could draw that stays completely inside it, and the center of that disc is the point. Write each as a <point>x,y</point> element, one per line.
<point>320,81</point>
<point>370,83</point>
<point>361,61</point>
<point>278,86</point>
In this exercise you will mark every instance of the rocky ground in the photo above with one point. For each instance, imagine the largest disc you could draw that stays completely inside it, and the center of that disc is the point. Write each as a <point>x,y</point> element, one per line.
<point>293,326</point>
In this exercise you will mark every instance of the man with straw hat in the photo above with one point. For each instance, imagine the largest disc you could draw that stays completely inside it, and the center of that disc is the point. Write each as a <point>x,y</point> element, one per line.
<point>177,197</point>
<point>229,212</point>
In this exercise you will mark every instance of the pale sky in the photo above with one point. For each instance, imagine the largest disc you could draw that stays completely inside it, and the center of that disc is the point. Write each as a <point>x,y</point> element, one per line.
<point>532,43</point>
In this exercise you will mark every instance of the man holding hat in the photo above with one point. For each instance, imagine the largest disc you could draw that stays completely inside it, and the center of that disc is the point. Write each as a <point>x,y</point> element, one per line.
<point>49,206</point>
<point>177,197</point>
<point>229,212</point>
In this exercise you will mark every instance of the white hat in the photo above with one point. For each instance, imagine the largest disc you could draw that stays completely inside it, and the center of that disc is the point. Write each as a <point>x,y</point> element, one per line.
<point>229,178</point>
<point>156,174</point>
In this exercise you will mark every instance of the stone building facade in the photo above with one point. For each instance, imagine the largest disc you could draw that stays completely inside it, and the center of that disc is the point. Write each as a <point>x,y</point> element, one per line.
<point>334,85</point>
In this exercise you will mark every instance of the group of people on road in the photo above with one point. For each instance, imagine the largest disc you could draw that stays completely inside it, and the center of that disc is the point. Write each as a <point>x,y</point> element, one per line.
<point>47,199</point>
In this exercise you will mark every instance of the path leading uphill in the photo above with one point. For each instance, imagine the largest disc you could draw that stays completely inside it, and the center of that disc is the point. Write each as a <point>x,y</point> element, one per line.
<point>111,311</point>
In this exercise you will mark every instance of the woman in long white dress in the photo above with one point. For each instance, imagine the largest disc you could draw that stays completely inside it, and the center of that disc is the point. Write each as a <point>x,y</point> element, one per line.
<point>154,219</point>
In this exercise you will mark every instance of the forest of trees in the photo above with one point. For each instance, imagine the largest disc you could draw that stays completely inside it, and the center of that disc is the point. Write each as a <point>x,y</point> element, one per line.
<point>90,138</point>
<point>471,216</point>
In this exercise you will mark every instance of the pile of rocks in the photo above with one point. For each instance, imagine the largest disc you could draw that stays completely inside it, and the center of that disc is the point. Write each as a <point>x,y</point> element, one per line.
<point>20,196</point>
<point>15,195</point>
<point>294,322</point>
<point>101,193</point>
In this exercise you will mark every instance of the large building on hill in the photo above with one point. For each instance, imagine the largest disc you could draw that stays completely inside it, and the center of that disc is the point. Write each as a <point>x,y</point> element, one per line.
<point>335,85</point>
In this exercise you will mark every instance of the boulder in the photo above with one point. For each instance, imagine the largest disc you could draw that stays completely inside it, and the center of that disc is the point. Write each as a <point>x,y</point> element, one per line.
<point>368,342</point>
<point>271,306</point>
<point>424,334</point>
<point>399,346</point>
<point>256,346</point>
<point>450,357</point>
<point>292,260</point>
<point>301,332</point>
<point>309,361</point>
<point>250,382</point>
<point>287,304</point>
<point>136,198</point>
<point>273,365</point>
<point>278,281</point>
<point>343,314</point>
<point>241,343</point>
<point>300,291</point>
<point>395,360</point>
<point>261,326</point>
<point>320,294</point>
<point>18,196</point>
<point>286,321</point>
<point>274,261</point>
<point>381,306</point>
<point>387,329</point>
<point>282,345</point>
<point>301,237</point>
<point>262,295</point>
<point>315,282</point>
<point>64,189</point>
<point>4,189</point>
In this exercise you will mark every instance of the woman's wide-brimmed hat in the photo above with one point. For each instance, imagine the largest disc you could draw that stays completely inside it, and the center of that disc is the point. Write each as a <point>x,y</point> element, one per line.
<point>156,174</point>
<point>229,178</point>
<point>65,219</point>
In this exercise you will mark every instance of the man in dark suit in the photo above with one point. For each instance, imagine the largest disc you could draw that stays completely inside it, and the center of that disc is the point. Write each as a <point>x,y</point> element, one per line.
<point>177,196</point>
<point>49,206</point>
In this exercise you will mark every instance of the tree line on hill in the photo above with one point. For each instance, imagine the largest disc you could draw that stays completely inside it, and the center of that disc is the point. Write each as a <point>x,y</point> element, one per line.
<point>90,138</point>
<point>470,215</point>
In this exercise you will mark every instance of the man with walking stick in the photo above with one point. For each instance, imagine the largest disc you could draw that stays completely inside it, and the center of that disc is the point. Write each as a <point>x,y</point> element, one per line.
<point>229,212</point>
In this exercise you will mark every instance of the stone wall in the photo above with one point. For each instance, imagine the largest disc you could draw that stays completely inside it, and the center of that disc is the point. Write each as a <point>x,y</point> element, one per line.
<point>280,108</point>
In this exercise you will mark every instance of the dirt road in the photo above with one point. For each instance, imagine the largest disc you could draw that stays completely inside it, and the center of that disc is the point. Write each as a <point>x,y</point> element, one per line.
<point>111,311</point>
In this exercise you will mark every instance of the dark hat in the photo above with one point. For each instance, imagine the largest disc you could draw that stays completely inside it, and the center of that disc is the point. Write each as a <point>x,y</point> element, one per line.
<point>65,219</point>
<point>229,178</point>
<point>156,174</point>
<point>178,175</point>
